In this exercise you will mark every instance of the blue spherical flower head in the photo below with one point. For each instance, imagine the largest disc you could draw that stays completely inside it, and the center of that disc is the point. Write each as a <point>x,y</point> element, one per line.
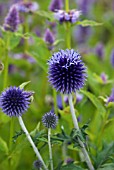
<point>15,101</point>
<point>67,72</point>
<point>50,120</point>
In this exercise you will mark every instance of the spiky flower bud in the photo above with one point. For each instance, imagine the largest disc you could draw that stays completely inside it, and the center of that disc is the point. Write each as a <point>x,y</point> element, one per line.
<point>12,20</point>
<point>55,4</point>
<point>14,101</point>
<point>37,164</point>
<point>72,16</point>
<point>50,120</point>
<point>67,73</point>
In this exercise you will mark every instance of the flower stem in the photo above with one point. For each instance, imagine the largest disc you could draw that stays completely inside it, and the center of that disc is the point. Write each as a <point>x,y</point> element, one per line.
<point>10,139</point>
<point>50,149</point>
<point>87,159</point>
<point>67,5</point>
<point>31,141</point>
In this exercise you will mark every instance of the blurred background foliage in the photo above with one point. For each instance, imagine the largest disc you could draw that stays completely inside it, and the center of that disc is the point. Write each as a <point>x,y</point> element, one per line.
<point>28,56</point>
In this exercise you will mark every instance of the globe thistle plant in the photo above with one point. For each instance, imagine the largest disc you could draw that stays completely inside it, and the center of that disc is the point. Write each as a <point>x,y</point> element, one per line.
<point>67,72</point>
<point>15,101</point>
<point>12,20</point>
<point>50,120</point>
<point>72,16</point>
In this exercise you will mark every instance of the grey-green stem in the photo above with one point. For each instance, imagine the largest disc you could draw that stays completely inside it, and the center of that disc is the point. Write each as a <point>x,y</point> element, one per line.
<point>84,151</point>
<point>31,141</point>
<point>50,149</point>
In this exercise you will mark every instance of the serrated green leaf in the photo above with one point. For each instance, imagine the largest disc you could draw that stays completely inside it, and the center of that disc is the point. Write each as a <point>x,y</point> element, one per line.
<point>95,102</point>
<point>104,154</point>
<point>3,146</point>
<point>108,166</point>
<point>86,23</point>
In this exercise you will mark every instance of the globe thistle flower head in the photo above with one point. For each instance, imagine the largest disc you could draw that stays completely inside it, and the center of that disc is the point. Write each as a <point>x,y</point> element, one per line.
<point>55,4</point>
<point>71,16</point>
<point>12,20</point>
<point>112,58</point>
<point>14,101</point>
<point>27,7</point>
<point>37,164</point>
<point>50,120</point>
<point>67,72</point>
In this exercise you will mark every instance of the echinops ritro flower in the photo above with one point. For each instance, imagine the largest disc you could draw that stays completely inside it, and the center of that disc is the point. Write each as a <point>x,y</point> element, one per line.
<point>14,101</point>
<point>67,72</point>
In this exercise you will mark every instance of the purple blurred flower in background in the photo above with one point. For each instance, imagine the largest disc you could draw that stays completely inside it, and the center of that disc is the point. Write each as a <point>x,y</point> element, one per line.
<point>111,97</point>
<point>85,6</point>
<point>99,50</point>
<point>49,38</point>
<point>112,58</point>
<point>79,97</point>
<point>59,102</point>
<point>69,160</point>
<point>25,56</point>
<point>72,16</point>
<point>104,77</point>
<point>82,34</point>
<point>67,72</point>
<point>55,4</point>
<point>12,20</point>
<point>27,7</point>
